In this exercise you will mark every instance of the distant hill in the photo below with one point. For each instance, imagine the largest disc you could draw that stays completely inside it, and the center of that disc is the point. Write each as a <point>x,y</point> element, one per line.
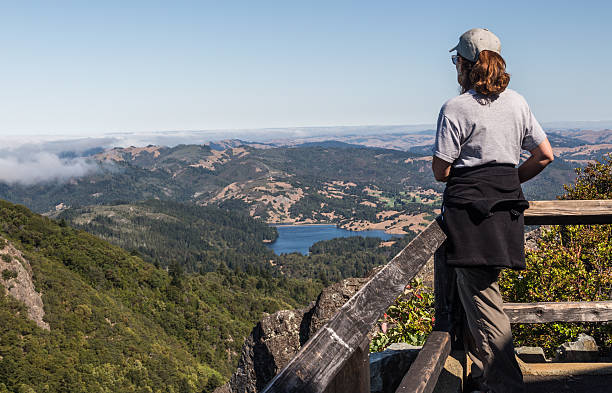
<point>117,323</point>
<point>275,184</point>
<point>339,181</point>
<point>557,139</point>
<point>327,144</point>
<point>229,143</point>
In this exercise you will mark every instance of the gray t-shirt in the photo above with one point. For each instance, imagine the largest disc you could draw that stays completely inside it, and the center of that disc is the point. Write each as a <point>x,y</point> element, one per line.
<point>473,131</point>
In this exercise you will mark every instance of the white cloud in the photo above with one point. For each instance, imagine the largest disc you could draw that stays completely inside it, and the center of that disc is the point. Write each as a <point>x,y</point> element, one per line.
<point>42,167</point>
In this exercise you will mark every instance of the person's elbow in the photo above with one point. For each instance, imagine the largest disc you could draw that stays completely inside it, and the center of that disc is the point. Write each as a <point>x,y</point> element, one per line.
<point>440,169</point>
<point>548,159</point>
<point>544,153</point>
<point>440,177</point>
<point>544,159</point>
<point>549,155</point>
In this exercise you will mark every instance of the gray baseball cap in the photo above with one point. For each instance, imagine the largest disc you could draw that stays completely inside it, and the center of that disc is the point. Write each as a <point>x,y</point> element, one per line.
<point>474,41</point>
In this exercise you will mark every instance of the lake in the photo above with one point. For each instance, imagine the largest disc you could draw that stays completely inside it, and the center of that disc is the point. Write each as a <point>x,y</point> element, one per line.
<point>299,238</point>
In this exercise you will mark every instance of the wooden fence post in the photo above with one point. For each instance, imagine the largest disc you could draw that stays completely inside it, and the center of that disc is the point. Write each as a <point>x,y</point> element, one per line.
<point>354,377</point>
<point>422,376</point>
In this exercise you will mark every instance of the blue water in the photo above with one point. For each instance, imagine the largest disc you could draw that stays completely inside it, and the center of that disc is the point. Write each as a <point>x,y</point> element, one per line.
<point>299,238</point>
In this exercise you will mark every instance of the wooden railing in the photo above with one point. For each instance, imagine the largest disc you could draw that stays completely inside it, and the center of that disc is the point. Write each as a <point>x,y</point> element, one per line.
<point>335,359</point>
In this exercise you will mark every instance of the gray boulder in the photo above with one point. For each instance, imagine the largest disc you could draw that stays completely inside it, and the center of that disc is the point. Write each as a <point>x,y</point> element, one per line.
<point>330,300</point>
<point>583,350</point>
<point>270,346</point>
<point>387,368</point>
<point>532,237</point>
<point>531,354</point>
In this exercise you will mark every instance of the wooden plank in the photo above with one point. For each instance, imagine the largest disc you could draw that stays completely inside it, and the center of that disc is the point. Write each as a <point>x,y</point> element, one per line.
<point>322,357</point>
<point>569,212</point>
<point>354,377</point>
<point>423,374</point>
<point>559,312</point>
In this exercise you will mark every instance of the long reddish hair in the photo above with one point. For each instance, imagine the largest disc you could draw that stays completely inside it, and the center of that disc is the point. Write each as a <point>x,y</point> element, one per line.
<point>487,76</point>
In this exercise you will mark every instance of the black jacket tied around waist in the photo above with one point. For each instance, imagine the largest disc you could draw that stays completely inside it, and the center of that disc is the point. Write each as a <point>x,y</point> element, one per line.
<point>482,215</point>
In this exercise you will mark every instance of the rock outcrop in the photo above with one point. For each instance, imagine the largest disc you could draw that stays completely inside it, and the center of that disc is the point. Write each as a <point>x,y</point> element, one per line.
<point>272,343</point>
<point>530,354</point>
<point>387,368</point>
<point>16,278</point>
<point>330,300</point>
<point>278,337</point>
<point>532,237</point>
<point>584,349</point>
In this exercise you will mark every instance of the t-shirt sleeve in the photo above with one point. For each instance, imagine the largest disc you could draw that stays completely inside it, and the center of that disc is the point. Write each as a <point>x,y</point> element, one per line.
<point>448,141</point>
<point>534,134</point>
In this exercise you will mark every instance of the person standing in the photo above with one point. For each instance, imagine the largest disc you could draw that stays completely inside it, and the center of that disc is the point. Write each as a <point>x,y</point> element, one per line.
<point>479,139</point>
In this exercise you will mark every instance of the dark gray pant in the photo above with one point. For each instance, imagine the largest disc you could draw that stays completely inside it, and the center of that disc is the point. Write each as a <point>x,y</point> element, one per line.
<point>487,335</point>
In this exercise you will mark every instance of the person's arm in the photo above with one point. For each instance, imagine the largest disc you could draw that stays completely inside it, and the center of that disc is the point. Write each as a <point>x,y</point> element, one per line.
<point>541,156</point>
<point>440,168</point>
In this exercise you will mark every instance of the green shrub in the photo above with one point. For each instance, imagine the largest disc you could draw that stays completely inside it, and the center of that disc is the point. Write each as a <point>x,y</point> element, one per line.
<point>408,320</point>
<point>571,263</point>
<point>7,258</point>
<point>8,274</point>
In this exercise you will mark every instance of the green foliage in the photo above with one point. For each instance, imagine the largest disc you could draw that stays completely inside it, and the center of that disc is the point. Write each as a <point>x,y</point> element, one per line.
<point>343,245</point>
<point>8,274</point>
<point>592,182</point>
<point>409,320</point>
<point>7,258</point>
<point>196,237</point>
<point>117,323</point>
<point>336,259</point>
<point>571,263</point>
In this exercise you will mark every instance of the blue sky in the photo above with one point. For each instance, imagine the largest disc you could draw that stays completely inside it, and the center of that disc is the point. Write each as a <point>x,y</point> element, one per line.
<point>87,68</point>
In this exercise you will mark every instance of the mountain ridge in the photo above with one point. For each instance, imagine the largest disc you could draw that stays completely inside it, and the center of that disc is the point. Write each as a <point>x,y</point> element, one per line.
<point>325,181</point>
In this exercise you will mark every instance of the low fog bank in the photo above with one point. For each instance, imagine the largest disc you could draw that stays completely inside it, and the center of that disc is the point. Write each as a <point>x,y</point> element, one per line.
<point>29,160</point>
<point>43,167</point>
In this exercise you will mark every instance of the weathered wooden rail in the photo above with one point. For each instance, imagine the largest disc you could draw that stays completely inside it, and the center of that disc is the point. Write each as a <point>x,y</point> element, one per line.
<point>335,359</point>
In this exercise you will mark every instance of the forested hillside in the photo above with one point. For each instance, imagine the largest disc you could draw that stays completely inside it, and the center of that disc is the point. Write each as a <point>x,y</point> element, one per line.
<point>202,239</point>
<point>118,323</point>
<point>199,238</point>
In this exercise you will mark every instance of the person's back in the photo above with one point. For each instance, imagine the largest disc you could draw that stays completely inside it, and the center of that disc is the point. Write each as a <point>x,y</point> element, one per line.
<point>486,131</point>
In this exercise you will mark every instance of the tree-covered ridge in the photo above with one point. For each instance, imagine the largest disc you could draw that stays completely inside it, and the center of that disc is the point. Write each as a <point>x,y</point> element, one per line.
<point>336,259</point>
<point>120,324</point>
<point>199,238</point>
